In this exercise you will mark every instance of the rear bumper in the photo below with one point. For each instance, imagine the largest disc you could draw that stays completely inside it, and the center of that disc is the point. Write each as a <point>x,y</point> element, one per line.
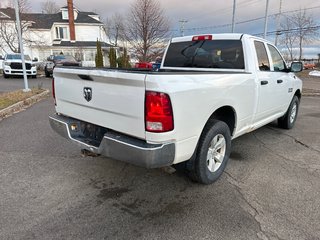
<point>116,145</point>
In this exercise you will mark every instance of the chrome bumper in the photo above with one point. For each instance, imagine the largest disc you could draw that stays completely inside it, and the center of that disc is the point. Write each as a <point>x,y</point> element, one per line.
<point>116,145</point>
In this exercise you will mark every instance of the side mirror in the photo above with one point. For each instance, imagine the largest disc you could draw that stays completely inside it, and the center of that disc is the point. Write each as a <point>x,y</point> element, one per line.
<point>296,67</point>
<point>35,60</point>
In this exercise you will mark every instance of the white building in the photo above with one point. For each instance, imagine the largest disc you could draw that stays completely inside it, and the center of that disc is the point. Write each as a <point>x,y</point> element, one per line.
<point>70,32</point>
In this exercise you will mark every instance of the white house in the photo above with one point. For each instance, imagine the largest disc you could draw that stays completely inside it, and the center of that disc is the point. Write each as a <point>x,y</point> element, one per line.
<point>69,31</point>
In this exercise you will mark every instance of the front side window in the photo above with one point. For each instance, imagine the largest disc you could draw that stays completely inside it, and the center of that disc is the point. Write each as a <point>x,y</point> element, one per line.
<point>206,54</point>
<point>61,33</point>
<point>262,56</point>
<point>278,63</point>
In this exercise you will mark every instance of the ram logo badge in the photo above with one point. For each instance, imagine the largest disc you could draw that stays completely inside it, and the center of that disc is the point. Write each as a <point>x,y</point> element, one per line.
<point>87,93</point>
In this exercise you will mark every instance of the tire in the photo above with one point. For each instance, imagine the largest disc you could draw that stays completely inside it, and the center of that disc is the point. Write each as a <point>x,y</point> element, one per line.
<point>5,75</point>
<point>47,73</point>
<point>34,76</point>
<point>289,119</point>
<point>212,153</point>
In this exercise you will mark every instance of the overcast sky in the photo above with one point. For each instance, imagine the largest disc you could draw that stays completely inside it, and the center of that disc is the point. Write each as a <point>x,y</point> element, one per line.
<point>203,16</point>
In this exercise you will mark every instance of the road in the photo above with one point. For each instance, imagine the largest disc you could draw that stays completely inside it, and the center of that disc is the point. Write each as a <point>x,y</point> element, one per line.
<point>270,190</point>
<point>16,83</point>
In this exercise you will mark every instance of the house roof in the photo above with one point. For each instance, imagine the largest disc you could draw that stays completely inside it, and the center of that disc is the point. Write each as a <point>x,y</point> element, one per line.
<point>80,44</point>
<point>8,12</point>
<point>45,21</point>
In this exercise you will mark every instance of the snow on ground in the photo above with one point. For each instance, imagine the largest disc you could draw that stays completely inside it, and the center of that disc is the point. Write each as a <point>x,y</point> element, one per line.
<point>315,73</point>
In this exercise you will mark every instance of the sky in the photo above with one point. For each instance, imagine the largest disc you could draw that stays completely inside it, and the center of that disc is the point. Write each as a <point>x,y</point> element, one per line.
<point>205,16</point>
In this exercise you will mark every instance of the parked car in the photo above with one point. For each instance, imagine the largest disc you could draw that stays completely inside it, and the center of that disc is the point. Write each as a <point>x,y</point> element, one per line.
<point>59,60</point>
<point>12,65</point>
<point>209,90</point>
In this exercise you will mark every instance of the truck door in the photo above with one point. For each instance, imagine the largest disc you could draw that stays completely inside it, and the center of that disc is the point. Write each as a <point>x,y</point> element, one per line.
<point>267,105</point>
<point>283,89</point>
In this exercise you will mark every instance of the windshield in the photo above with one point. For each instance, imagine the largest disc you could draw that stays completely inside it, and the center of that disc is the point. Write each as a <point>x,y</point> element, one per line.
<point>206,54</point>
<point>64,57</point>
<point>18,56</point>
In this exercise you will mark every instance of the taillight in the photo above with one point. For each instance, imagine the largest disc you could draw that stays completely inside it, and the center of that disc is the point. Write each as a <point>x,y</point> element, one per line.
<point>202,38</point>
<point>53,92</point>
<point>158,112</point>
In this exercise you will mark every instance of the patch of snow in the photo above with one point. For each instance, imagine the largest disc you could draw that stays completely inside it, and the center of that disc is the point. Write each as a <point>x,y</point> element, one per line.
<point>315,73</point>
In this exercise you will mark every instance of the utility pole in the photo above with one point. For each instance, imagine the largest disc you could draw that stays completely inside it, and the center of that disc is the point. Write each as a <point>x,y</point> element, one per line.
<point>182,24</point>
<point>266,20</point>
<point>26,87</point>
<point>278,23</point>
<point>233,16</point>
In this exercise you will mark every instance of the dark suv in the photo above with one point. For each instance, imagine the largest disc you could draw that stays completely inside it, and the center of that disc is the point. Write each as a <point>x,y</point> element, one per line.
<point>59,60</point>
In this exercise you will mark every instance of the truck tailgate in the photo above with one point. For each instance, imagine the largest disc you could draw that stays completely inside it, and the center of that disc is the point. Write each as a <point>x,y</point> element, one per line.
<point>117,98</point>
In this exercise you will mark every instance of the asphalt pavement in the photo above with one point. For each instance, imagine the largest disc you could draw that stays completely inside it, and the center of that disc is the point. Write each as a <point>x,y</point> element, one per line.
<point>16,83</point>
<point>270,190</point>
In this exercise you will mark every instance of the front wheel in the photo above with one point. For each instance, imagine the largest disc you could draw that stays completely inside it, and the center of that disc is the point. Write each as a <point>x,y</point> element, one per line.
<point>289,119</point>
<point>5,75</point>
<point>213,152</point>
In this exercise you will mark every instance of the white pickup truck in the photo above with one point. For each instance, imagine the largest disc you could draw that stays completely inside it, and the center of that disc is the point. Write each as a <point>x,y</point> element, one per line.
<point>210,89</point>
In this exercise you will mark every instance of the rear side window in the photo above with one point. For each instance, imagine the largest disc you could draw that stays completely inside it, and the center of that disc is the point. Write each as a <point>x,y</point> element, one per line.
<point>263,61</point>
<point>278,63</point>
<point>206,54</point>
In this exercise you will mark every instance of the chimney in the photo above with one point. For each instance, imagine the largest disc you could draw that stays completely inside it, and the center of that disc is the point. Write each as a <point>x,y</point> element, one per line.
<point>71,21</point>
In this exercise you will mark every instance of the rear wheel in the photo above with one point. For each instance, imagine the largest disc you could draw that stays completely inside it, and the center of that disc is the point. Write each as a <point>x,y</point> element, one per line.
<point>289,119</point>
<point>212,153</point>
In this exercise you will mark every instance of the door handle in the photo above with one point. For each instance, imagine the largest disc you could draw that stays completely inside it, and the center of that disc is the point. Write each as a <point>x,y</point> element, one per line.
<point>264,82</point>
<point>279,81</point>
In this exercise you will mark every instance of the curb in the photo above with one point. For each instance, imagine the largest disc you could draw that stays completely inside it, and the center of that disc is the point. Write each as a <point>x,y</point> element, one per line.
<point>19,106</point>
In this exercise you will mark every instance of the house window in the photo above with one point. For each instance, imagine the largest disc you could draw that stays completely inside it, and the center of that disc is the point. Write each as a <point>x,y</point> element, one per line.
<point>65,15</point>
<point>61,32</point>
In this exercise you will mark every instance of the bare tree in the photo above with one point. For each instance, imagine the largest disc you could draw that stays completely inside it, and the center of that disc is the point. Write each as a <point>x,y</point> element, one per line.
<point>288,38</point>
<point>115,29</point>
<point>49,7</point>
<point>147,28</point>
<point>9,31</point>
<point>24,5</point>
<point>305,27</point>
<point>9,36</point>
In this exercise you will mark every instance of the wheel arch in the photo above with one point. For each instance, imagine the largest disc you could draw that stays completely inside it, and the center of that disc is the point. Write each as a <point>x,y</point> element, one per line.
<point>298,94</point>
<point>225,114</point>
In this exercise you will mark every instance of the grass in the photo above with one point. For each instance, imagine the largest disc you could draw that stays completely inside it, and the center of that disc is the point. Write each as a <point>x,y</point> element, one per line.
<point>9,98</point>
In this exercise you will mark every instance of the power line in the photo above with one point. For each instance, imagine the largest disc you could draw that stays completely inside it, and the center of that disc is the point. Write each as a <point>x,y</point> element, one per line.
<point>245,21</point>
<point>291,30</point>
